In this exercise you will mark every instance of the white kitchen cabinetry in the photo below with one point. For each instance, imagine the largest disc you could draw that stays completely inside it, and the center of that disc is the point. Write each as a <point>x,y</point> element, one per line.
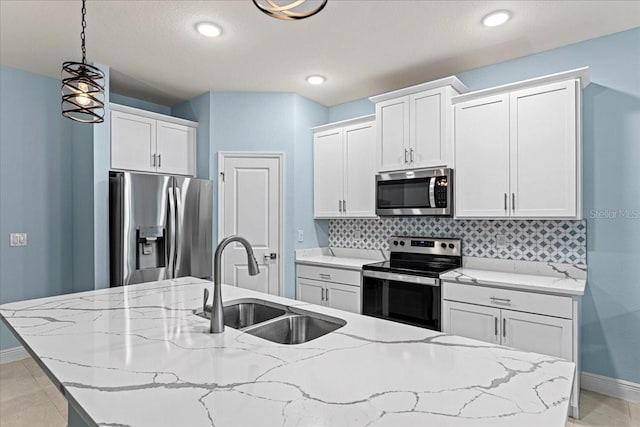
<point>518,149</point>
<point>344,169</point>
<point>529,321</point>
<point>414,125</point>
<point>332,287</point>
<point>151,142</point>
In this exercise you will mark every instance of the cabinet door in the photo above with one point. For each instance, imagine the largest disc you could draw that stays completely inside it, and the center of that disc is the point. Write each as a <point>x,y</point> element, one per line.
<point>427,130</point>
<point>328,174</point>
<point>392,142</point>
<point>471,321</point>
<point>544,153</point>
<point>359,172</point>
<point>540,334</point>
<point>176,149</point>
<point>482,158</point>
<point>343,297</point>
<point>310,291</point>
<point>133,142</point>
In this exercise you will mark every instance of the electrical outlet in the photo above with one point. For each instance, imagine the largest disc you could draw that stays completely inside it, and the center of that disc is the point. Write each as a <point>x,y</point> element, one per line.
<point>18,239</point>
<point>358,235</point>
<point>300,236</point>
<point>501,240</point>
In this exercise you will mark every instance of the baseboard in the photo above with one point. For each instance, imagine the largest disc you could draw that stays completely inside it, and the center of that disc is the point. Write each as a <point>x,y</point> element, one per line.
<point>13,354</point>
<point>613,387</point>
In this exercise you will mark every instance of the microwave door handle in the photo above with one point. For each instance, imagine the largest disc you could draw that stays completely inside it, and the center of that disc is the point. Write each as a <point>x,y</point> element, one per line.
<point>432,192</point>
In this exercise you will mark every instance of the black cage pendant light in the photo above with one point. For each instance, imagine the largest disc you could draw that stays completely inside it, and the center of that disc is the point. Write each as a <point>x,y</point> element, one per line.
<point>290,10</point>
<point>82,86</point>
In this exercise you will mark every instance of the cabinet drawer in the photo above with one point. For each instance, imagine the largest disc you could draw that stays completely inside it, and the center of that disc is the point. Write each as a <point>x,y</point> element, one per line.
<point>327,274</point>
<point>530,302</point>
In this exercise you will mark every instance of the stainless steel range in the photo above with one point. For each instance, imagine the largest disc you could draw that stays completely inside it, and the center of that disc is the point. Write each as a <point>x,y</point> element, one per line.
<point>406,288</point>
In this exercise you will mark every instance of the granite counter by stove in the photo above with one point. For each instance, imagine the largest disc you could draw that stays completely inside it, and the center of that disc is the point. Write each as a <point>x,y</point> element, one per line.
<point>138,356</point>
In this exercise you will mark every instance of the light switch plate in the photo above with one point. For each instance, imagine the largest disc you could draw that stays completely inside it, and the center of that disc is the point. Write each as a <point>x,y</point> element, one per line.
<point>300,236</point>
<point>18,239</point>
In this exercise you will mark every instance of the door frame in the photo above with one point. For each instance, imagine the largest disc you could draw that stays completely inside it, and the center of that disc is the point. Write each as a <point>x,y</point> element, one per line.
<point>222,155</point>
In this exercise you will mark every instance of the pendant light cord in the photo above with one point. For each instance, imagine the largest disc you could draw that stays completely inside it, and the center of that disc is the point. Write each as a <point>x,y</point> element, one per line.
<point>82,36</point>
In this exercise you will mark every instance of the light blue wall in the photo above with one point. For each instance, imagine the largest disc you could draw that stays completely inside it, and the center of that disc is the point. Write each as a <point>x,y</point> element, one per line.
<point>307,114</point>
<point>611,155</point>
<point>199,110</point>
<point>611,139</point>
<point>351,109</point>
<point>35,190</point>
<point>273,122</point>
<point>138,103</point>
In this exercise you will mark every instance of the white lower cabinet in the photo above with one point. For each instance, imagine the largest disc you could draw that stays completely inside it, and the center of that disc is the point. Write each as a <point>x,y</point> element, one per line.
<point>343,296</point>
<point>471,321</point>
<point>529,321</point>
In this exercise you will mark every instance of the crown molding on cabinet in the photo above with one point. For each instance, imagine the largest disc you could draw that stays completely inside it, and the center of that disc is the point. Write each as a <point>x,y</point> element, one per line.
<point>452,81</point>
<point>152,115</point>
<point>343,123</point>
<point>581,74</point>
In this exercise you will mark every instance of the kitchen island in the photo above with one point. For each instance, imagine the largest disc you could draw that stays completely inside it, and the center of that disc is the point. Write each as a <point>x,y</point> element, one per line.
<point>138,356</point>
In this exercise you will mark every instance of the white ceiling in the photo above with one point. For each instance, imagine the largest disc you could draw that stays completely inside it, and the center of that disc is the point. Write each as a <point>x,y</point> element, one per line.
<point>362,47</point>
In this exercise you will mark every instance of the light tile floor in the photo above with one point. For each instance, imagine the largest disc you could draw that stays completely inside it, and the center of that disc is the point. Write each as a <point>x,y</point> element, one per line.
<point>29,399</point>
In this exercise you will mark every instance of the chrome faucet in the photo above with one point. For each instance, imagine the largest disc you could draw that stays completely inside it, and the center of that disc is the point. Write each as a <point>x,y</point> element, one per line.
<point>217,311</point>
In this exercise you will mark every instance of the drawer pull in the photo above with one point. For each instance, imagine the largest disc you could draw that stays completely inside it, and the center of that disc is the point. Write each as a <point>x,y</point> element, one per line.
<point>500,300</point>
<point>324,276</point>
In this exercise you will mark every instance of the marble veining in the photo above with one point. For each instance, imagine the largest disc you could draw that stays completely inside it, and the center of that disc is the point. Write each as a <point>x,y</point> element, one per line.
<point>545,277</point>
<point>137,356</point>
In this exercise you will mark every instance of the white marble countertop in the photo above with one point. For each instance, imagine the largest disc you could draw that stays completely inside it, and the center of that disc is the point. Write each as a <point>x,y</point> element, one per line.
<point>552,278</point>
<point>348,259</point>
<point>137,356</point>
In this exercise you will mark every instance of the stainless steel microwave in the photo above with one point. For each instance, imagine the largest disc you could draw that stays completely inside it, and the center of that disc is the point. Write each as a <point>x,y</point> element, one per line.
<point>415,192</point>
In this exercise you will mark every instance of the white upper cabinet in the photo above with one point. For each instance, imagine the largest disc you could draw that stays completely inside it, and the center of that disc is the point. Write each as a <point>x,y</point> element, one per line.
<point>133,142</point>
<point>328,173</point>
<point>415,126</point>
<point>344,169</point>
<point>482,157</point>
<point>544,151</point>
<point>518,149</point>
<point>151,142</point>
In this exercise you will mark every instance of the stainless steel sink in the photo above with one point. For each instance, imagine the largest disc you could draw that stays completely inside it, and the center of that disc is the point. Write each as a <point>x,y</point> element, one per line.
<point>295,328</point>
<point>242,315</point>
<point>275,322</point>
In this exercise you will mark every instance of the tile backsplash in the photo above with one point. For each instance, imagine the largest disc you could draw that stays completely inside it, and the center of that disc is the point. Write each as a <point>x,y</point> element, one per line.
<point>561,241</point>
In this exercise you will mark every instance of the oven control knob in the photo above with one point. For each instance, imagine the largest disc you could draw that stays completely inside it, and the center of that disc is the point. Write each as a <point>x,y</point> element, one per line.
<point>395,243</point>
<point>451,246</point>
<point>401,242</point>
<point>444,245</point>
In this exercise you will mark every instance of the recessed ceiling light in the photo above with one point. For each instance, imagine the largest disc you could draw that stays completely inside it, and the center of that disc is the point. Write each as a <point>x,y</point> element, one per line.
<point>496,18</point>
<point>209,29</point>
<point>316,80</point>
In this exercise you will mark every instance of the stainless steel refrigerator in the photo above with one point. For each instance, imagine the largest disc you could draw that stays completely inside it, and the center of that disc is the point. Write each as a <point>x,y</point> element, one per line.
<point>160,227</point>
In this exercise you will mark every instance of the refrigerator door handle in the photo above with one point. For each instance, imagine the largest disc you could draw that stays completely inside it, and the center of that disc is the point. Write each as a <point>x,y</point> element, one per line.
<point>179,224</point>
<point>171,238</point>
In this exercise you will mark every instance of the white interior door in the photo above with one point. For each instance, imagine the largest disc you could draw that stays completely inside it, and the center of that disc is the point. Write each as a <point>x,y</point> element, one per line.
<point>251,207</point>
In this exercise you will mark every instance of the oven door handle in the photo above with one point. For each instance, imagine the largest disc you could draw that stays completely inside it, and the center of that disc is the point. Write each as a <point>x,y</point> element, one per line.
<point>407,278</point>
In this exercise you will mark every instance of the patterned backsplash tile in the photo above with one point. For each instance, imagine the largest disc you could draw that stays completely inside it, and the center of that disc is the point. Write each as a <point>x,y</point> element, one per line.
<point>529,240</point>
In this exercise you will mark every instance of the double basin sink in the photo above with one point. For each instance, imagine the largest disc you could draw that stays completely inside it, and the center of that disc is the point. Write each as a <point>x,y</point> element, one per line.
<point>277,323</point>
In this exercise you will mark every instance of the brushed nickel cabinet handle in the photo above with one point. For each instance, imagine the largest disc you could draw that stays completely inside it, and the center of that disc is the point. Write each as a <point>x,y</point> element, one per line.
<point>154,161</point>
<point>326,294</point>
<point>513,201</point>
<point>504,328</point>
<point>495,326</point>
<point>406,152</point>
<point>340,205</point>
<point>505,201</point>
<point>411,155</point>
<point>159,160</point>
<point>344,206</point>
<point>502,300</point>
